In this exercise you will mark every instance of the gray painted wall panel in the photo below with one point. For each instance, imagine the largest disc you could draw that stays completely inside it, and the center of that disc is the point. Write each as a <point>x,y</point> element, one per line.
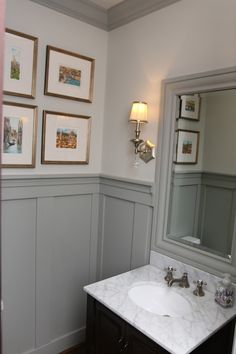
<point>141,235</point>
<point>68,248</point>
<point>126,193</point>
<point>204,207</point>
<point>183,210</point>
<point>125,222</point>
<point>67,232</point>
<point>18,275</point>
<point>95,220</point>
<point>216,227</point>
<point>70,262</point>
<point>117,236</point>
<point>46,191</point>
<point>43,274</point>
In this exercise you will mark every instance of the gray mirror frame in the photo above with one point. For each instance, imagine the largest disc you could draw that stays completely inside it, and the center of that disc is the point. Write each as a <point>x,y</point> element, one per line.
<point>171,89</point>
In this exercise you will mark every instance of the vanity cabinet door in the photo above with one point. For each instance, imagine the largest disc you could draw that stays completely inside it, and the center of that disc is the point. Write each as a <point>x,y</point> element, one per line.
<point>109,331</point>
<point>220,343</point>
<point>138,343</point>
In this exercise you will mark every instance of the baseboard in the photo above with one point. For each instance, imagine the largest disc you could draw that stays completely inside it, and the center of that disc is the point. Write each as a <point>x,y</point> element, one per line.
<point>73,350</point>
<point>57,346</point>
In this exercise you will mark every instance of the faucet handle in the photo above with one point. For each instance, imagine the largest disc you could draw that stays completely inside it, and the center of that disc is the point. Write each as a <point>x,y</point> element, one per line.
<point>170,269</point>
<point>199,288</point>
<point>169,274</point>
<point>199,282</point>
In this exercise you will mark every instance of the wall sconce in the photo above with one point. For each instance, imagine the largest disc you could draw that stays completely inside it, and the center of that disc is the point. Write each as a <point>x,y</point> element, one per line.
<point>138,115</point>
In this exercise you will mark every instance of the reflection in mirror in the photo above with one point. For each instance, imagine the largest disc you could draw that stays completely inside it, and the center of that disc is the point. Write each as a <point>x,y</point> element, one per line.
<point>202,206</point>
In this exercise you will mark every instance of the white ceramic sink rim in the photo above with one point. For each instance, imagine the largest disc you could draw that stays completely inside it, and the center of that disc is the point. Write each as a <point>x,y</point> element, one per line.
<point>159,299</point>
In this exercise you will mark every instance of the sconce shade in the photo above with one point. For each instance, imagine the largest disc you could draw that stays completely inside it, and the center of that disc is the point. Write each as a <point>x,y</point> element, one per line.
<point>138,112</point>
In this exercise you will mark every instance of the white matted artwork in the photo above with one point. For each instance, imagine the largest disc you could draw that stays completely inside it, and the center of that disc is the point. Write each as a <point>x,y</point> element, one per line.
<point>20,62</point>
<point>187,142</point>
<point>68,75</point>
<point>18,135</point>
<point>65,138</point>
<point>190,107</point>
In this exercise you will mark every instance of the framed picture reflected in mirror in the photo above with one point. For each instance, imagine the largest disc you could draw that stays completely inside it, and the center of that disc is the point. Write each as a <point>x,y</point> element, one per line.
<point>189,107</point>
<point>187,142</point>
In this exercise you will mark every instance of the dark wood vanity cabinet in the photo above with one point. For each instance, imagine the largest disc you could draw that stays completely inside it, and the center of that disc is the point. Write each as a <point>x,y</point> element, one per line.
<point>138,343</point>
<point>107,333</point>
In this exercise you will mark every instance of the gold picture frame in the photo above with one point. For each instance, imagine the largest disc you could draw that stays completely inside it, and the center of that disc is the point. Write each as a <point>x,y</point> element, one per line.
<point>20,64</point>
<point>68,75</point>
<point>18,135</point>
<point>65,138</point>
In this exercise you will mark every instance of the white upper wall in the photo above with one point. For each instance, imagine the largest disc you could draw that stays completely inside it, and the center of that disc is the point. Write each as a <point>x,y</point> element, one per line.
<point>187,37</point>
<point>70,34</point>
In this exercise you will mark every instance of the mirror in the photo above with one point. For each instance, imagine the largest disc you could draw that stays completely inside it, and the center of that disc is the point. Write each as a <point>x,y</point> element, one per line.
<point>202,206</point>
<point>195,183</point>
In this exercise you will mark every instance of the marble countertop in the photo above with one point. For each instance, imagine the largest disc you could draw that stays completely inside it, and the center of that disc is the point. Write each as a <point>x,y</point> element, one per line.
<point>179,335</point>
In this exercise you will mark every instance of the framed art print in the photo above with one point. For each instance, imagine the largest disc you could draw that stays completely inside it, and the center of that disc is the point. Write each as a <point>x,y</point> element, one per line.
<point>190,107</point>
<point>65,138</point>
<point>68,75</point>
<point>18,135</point>
<point>187,142</point>
<point>20,62</point>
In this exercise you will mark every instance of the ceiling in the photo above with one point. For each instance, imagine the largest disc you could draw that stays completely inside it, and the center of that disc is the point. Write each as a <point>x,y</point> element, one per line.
<point>107,4</point>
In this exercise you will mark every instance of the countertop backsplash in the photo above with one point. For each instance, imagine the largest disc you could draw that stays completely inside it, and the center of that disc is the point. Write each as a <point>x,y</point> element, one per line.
<point>161,261</point>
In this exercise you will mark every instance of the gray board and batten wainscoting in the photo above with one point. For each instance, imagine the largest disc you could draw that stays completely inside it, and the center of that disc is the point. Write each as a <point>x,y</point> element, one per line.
<point>60,233</point>
<point>203,205</point>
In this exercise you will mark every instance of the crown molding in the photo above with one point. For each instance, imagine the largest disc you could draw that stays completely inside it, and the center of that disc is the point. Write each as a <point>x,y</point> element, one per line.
<point>119,15</point>
<point>130,10</point>
<point>82,10</point>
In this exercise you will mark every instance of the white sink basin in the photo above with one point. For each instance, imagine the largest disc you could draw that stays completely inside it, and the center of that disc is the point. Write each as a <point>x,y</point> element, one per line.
<point>160,300</point>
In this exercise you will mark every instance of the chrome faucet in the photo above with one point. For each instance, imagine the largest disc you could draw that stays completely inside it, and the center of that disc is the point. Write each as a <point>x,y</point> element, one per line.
<point>183,281</point>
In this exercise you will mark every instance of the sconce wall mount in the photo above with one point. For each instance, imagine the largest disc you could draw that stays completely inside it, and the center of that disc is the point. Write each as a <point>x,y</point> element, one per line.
<point>138,115</point>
